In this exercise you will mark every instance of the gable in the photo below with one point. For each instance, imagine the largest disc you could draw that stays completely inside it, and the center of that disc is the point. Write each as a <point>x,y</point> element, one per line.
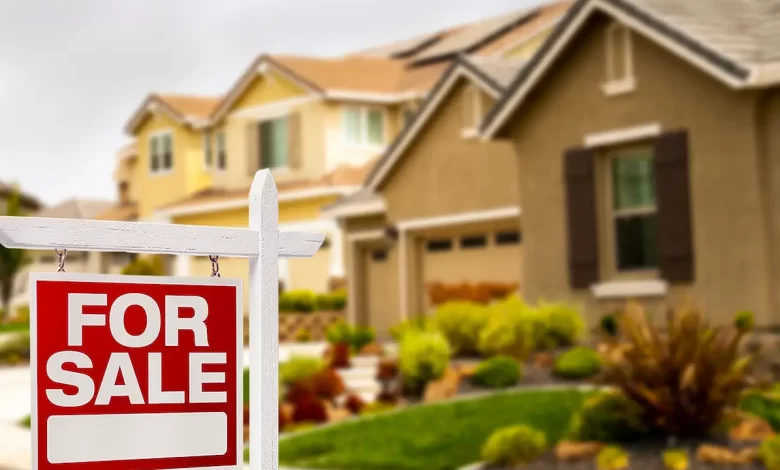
<point>431,177</point>
<point>267,88</point>
<point>156,121</point>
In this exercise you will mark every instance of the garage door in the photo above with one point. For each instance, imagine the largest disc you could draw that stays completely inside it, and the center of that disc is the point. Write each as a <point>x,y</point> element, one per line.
<point>380,268</point>
<point>471,257</point>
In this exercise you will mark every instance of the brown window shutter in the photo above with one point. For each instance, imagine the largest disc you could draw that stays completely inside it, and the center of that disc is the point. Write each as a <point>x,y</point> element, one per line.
<point>294,157</point>
<point>675,242</point>
<point>581,217</point>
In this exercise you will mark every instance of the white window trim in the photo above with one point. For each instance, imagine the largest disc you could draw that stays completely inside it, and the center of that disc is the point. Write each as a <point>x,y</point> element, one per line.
<point>615,84</point>
<point>623,135</point>
<point>629,289</point>
<point>363,112</point>
<point>161,171</point>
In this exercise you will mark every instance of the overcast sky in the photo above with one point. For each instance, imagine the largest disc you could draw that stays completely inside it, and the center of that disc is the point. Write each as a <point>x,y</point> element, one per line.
<point>72,71</point>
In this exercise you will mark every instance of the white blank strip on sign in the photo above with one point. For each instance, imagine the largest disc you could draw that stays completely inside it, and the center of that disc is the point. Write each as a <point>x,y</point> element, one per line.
<point>42,233</point>
<point>96,438</point>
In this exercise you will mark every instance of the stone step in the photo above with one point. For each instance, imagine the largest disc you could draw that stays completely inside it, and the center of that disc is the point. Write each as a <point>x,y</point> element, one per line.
<point>358,373</point>
<point>362,384</point>
<point>364,361</point>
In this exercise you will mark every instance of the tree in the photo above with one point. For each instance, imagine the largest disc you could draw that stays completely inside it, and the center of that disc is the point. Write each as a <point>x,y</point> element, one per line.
<point>11,260</point>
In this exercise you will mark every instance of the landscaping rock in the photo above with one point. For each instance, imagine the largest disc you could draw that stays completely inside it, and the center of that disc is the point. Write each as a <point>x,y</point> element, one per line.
<point>444,388</point>
<point>708,453</point>
<point>574,451</point>
<point>372,349</point>
<point>751,429</point>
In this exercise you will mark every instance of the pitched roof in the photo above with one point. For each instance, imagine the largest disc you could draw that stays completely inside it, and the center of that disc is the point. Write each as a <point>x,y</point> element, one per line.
<point>76,209</point>
<point>185,109</point>
<point>342,180</point>
<point>547,17</point>
<point>121,212</point>
<point>490,74</point>
<point>735,41</point>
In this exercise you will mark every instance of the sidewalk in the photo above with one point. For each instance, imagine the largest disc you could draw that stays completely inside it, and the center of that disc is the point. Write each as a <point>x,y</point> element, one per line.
<point>15,448</point>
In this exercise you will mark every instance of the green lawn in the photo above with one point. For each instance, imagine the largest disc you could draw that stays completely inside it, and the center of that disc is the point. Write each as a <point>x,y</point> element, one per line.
<point>14,327</point>
<point>440,436</point>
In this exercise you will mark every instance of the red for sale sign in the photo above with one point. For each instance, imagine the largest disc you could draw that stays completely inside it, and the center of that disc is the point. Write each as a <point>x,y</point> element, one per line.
<point>136,372</point>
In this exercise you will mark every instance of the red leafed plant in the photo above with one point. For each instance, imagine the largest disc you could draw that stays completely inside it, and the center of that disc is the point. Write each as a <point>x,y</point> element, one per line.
<point>283,420</point>
<point>387,370</point>
<point>328,384</point>
<point>310,410</point>
<point>354,404</point>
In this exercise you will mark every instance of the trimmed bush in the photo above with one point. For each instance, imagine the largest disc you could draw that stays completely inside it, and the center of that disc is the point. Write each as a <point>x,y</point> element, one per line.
<point>744,321</point>
<point>565,324</point>
<point>423,356</point>
<point>145,266</point>
<point>418,323</point>
<point>461,323</point>
<point>498,372</point>
<point>299,368</point>
<point>361,337</point>
<point>303,336</point>
<point>612,458</point>
<point>508,331</point>
<point>333,301</point>
<point>299,301</point>
<point>608,417</point>
<point>339,333</point>
<point>769,453</point>
<point>577,363</point>
<point>514,445</point>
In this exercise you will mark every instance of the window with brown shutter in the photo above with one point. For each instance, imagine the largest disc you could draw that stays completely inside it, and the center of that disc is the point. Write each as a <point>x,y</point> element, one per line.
<point>581,217</point>
<point>675,241</point>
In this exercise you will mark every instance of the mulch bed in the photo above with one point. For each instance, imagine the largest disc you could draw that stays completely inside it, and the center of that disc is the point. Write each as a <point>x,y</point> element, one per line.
<point>644,455</point>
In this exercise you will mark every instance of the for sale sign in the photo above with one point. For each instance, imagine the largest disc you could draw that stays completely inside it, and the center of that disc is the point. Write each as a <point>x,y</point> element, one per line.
<point>136,372</point>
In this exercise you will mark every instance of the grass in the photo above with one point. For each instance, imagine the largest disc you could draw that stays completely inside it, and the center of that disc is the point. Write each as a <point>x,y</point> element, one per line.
<point>440,436</point>
<point>765,405</point>
<point>14,327</point>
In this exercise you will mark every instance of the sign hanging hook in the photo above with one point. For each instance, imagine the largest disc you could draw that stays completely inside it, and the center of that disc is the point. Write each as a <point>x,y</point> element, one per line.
<point>214,265</point>
<point>61,255</point>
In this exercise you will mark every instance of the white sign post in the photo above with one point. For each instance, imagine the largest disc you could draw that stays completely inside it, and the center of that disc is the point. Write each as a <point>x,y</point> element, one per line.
<point>261,243</point>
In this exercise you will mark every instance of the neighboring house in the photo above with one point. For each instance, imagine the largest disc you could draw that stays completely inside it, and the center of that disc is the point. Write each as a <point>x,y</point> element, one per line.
<point>648,154</point>
<point>318,123</point>
<point>75,261</point>
<point>440,206</point>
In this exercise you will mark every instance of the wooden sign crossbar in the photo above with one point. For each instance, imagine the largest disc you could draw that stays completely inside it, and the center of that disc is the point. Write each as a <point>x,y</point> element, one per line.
<point>261,243</point>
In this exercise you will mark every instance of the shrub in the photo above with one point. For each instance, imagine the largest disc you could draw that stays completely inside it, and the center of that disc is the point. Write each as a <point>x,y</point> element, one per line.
<point>609,325</point>
<point>283,420</point>
<point>565,324</point>
<point>684,380</point>
<point>145,266</point>
<point>608,417</point>
<point>769,453</point>
<point>337,355</point>
<point>361,337</point>
<point>338,299</point>
<point>339,333</point>
<point>675,459</point>
<point>461,323</point>
<point>16,349</point>
<point>508,330</point>
<point>311,410</point>
<point>328,384</point>
<point>577,363</point>
<point>418,323</point>
<point>299,368</point>
<point>514,445</point>
<point>300,301</point>
<point>377,407</point>
<point>744,321</point>
<point>612,458</point>
<point>303,336</point>
<point>387,370</point>
<point>354,404</point>
<point>423,356</point>
<point>497,372</point>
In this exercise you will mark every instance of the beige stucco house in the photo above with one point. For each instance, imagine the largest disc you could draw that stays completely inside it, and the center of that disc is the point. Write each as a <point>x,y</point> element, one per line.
<point>440,206</point>
<point>646,145</point>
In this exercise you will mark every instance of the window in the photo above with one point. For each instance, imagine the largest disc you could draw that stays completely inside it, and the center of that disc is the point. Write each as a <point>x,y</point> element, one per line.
<point>221,150</point>
<point>274,143</point>
<point>473,241</point>
<point>378,255</point>
<point>508,238</point>
<point>364,126</point>
<point>439,245</point>
<point>634,210</point>
<point>208,155</point>
<point>619,60</point>
<point>161,152</point>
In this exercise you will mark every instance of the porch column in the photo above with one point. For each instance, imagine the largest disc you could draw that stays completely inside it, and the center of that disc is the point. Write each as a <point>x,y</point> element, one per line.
<point>337,251</point>
<point>403,270</point>
<point>181,266</point>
